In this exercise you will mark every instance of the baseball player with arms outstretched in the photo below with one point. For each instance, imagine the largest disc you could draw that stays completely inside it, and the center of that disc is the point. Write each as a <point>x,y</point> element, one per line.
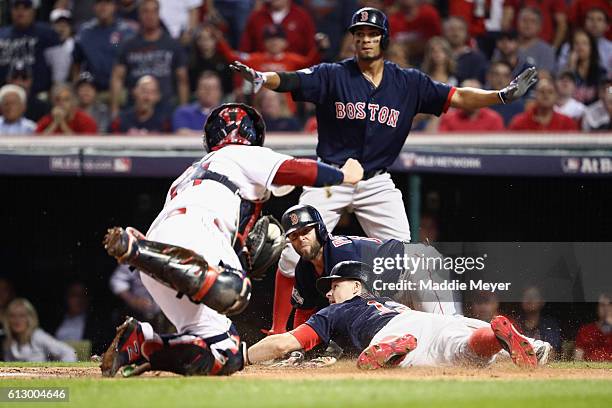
<point>387,334</point>
<point>189,248</point>
<point>364,109</point>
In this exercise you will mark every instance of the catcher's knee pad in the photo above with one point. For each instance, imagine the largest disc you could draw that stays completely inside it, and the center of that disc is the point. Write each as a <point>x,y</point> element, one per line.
<point>188,354</point>
<point>222,288</point>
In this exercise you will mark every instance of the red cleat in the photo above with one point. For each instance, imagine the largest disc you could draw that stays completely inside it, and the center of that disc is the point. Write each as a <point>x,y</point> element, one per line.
<point>513,342</point>
<point>389,352</point>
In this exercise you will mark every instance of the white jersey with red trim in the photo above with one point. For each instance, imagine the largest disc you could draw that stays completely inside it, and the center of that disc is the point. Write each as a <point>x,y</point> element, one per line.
<point>250,168</point>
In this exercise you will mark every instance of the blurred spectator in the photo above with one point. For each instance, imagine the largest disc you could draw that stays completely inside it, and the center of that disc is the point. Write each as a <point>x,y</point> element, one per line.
<point>537,51</point>
<point>296,22</point>
<point>180,18</point>
<point>138,303</point>
<point>553,18</point>
<point>7,294</point>
<point>594,340</point>
<point>583,61</point>
<point>429,230</point>
<point>413,24</point>
<point>484,306</point>
<point>147,115</point>
<point>25,341</point>
<point>234,12</point>
<point>151,52</point>
<point>97,43</point>
<point>77,322</point>
<point>473,12</point>
<point>498,76</point>
<point>127,10</point>
<point>34,43</point>
<point>331,17</point>
<point>566,104</point>
<point>273,107</point>
<point>20,74</point>
<point>533,323</point>
<point>507,50</point>
<point>471,63</point>
<point>578,10</point>
<point>477,120</point>
<point>65,117</point>
<point>190,119</point>
<point>204,57</point>
<point>87,99</point>
<point>438,62</point>
<point>13,101</point>
<point>61,21</point>
<point>396,52</point>
<point>82,10</point>
<point>596,23</point>
<point>541,116</point>
<point>597,116</point>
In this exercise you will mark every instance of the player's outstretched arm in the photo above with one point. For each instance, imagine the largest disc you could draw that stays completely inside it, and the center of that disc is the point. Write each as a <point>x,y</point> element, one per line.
<point>474,98</point>
<point>307,172</point>
<point>272,347</point>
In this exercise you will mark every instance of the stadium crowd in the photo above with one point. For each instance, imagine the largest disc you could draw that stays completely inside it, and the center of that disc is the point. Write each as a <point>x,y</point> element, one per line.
<point>158,66</point>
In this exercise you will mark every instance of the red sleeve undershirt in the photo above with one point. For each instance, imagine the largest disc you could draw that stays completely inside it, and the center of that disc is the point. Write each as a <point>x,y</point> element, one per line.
<point>296,172</point>
<point>448,99</point>
<point>306,335</point>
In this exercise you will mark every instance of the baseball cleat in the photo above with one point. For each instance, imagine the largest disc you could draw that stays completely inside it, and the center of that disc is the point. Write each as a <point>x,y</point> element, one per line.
<point>125,348</point>
<point>389,352</point>
<point>518,346</point>
<point>121,243</point>
<point>542,350</point>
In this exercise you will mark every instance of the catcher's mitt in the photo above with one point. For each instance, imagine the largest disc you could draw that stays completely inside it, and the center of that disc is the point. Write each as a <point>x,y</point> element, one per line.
<point>264,245</point>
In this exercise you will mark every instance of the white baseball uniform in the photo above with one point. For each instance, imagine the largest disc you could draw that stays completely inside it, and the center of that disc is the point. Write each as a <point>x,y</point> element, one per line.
<point>203,215</point>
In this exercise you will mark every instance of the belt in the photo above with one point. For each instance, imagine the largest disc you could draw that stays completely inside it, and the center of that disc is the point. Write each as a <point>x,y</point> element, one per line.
<point>219,178</point>
<point>366,174</point>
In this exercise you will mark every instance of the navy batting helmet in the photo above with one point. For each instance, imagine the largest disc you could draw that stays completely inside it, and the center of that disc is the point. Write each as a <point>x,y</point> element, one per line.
<point>301,216</point>
<point>345,270</point>
<point>233,123</point>
<point>371,17</point>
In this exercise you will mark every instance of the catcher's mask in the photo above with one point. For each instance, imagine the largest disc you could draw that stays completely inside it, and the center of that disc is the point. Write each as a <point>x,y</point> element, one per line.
<point>302,216</point>
<point>233,123</point>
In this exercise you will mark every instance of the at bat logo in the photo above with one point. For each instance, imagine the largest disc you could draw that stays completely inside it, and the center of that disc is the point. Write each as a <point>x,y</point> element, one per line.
<point>374,113</point>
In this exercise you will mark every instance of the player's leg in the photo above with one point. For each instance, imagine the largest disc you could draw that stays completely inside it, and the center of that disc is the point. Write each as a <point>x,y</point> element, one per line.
<point>330,202</point>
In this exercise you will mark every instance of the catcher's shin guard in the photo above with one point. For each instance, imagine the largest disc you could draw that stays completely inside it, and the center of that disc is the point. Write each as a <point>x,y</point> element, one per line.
<point>221,288</point>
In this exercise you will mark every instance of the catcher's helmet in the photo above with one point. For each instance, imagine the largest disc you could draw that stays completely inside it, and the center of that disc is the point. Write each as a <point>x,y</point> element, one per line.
<point>371,17</point>
<point>345,270</point>
<point>233,123</point>
<point>300,216</point>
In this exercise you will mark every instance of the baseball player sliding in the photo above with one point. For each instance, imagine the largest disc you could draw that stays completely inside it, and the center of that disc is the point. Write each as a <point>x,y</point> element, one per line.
<point>387,334</point>
<point>189,248</point>
<point>364,109</point>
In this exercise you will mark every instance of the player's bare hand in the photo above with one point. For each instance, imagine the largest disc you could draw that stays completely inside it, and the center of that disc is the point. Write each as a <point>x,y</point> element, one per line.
<point>295,359</point>
<point>249,74</point>
<point>353,172</point>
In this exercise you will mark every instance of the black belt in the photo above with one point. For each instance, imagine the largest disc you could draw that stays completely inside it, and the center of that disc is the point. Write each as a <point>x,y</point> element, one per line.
<point>366,174</point>
<point>219,178</point>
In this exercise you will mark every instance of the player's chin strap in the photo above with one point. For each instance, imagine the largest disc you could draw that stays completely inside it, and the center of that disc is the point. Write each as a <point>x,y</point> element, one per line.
<point>222,288</point>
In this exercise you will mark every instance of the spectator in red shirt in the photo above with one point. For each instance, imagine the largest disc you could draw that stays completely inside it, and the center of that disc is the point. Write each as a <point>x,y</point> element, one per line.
<point>473,12</point>
<point>65,118</point>
<point>594,340</point>
<point>579,8</point>
<point>542,117</point>
<point>414,23</point>
<point>297,23</point>
<point>477,120</point>
<point>554,18</point>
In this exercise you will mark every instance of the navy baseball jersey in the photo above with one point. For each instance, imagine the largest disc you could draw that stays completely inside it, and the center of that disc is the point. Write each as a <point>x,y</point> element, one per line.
<point>336,249</point>
<point>353,324</point>
<point>370,124</point>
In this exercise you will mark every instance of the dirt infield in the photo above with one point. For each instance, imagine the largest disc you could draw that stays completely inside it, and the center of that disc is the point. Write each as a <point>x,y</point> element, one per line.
<point>346,370</point>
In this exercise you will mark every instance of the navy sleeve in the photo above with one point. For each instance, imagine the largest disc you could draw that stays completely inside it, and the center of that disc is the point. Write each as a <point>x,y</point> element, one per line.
<point>322,323</point>
<point>433,95</point>
<point>313,84</point>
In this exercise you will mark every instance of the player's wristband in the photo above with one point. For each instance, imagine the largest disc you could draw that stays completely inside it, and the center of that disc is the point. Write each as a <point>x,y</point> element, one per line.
<point>328,175</point>
<point>502,96</point>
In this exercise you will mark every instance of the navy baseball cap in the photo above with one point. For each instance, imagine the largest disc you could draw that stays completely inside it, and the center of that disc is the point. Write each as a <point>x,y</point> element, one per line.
<point>27,3</point>
<point>354,270</point>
